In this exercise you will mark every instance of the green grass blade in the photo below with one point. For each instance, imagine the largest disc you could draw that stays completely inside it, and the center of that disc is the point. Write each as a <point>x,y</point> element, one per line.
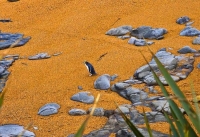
<point>173,105</point>
<point>195,100</point>
<point>79,133</point>
<point>147,124</point>
<point>184,102</point>
<point>129,123</point>
<point>82,128</point>
<point>178,124</point>
<point>172,127</point>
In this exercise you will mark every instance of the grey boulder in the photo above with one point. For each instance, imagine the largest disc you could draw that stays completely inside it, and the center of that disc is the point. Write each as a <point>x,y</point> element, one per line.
<point>84,97</point>
<point>102,82</point>
<point>186,49</point>
<point>49,109</point>
<point>148,32</point>
<point>189,31</point>
<point>119,31</point>
<point>196,41</point>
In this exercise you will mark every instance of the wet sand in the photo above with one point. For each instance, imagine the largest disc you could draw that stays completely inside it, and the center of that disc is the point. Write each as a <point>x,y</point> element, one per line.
<point>77,29</point>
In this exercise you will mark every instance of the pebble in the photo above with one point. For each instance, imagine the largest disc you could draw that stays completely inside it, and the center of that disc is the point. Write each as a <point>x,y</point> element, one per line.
<point>97,111</point>
<point>84,97</point>
<point>137,42</point>
<point>77,112</point>
<point>113,77</point>
<point>182,20</point>
<point>189,23</point>
<point>49,109</point>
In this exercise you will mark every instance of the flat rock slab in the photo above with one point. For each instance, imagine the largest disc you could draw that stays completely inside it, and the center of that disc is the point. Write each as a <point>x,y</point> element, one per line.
<point>179,67</point>
<point>4,73</point>
<point>39,56</point>
<point>49,109</point>
<point>148,32</point>
<point>13,130</point>
<point>84,97</point>
<point>119,31</point>
<point>14,39</point>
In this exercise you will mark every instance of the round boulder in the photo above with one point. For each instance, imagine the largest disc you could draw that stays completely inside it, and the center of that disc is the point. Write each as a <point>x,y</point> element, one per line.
<point>102,82</point>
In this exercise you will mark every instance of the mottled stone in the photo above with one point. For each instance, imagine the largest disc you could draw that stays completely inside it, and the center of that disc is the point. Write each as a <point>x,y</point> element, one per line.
<point>196,41</point>
<point>13,130</point>
<point>97,111</point>
<point>84,97</point>
<point>16,40</point>
<point>186,49</point>
<point>49,109</point>
<point>39,56</point>
<point>179,67</point>
<point>122,30</point>
<point>189,31</point>
<point>183,20</point>
<point>102,82</point>
<point>148,32</point>
<point>77,112</point>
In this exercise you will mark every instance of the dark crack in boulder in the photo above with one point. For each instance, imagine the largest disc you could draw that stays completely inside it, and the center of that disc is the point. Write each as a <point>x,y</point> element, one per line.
<point>179,67</point>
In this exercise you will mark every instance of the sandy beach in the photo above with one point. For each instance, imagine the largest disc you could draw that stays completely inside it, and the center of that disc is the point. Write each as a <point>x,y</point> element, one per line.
<point>77,30</point>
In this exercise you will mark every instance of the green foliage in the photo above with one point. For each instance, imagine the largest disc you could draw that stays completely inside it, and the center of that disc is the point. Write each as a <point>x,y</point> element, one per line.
<point>130,124</point>
<point>84,124</point>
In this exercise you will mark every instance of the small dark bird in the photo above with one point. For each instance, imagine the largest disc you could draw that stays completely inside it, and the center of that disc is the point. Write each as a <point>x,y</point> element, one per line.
<point>90,68</point>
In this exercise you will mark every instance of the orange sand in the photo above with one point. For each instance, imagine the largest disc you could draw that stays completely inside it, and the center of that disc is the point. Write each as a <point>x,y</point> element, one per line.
<point>77,29</point>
